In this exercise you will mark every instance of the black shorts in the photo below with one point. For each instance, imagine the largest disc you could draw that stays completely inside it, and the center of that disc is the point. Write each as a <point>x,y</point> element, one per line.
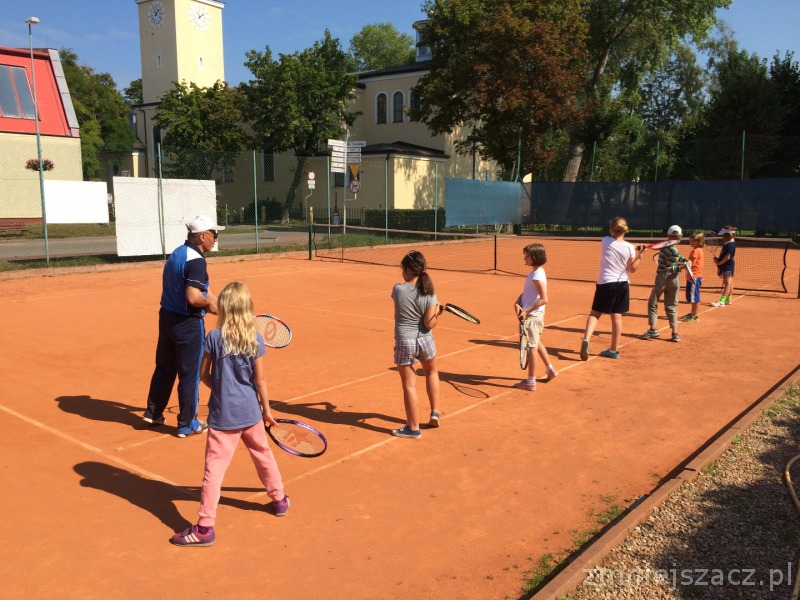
<point>612,298</point>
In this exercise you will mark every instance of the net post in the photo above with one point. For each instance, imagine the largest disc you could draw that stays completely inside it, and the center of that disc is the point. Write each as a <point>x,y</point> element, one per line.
<point>495,253</point>
<point>310,231</point>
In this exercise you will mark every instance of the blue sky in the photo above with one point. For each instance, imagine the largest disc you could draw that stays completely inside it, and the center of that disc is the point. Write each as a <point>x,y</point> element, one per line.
<point>104,33</point>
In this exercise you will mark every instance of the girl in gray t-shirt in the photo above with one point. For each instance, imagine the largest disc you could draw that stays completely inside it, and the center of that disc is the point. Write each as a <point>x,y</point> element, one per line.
<point>416,311</point>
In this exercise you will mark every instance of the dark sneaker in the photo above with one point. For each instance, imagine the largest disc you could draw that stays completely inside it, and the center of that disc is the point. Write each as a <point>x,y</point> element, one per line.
<point>688,318</point>
<point>280,507</point>
<point>584,349</point>
<point>609,354</point>
<point>650,334</point>
<point>676,337</point>
<point>153,421</point>
<point>202,427</point>
<point>405,432</point>
<point>434,420</point>
<point>193,537</point>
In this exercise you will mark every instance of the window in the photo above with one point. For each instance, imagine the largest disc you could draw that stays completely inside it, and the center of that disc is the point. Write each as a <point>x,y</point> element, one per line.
<point>381,109</point>
<point>227,174</point>
<point>414,102</point>
<point>158,61</point>
<point>15,93</point>
<point>202,63</point>
<point>397,107</point>
<point>268,165</point>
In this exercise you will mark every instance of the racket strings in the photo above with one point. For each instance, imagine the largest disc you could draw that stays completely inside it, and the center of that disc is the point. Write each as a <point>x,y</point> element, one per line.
<point>274,332</point>
<point>297,438</point>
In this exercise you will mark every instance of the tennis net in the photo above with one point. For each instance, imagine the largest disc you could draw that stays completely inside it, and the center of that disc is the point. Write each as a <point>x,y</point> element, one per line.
<point>761,263</point>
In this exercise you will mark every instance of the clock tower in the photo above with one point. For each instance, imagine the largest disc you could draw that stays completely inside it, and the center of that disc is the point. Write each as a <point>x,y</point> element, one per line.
<point>181,40</point>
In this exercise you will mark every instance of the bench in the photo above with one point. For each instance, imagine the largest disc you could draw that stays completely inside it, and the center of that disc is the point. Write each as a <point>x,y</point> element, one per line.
<point>8,225</point>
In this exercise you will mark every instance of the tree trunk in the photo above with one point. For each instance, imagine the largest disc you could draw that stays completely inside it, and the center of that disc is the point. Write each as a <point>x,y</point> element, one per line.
<point>297,178</point>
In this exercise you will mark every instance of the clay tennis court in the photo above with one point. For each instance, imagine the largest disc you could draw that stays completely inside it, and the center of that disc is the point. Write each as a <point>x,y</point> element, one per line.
<point>91,495</point>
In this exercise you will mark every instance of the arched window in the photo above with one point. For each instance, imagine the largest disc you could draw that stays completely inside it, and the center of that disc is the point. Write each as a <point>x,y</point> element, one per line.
<point>397,107</point>
<point>381,108</point>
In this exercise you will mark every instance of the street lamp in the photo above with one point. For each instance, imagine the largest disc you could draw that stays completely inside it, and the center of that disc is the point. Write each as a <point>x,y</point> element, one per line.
<point>33,21</point>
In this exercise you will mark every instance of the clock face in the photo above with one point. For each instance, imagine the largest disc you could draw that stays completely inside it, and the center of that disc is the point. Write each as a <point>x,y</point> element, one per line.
<point>199,17</point>
<point>156,14</point>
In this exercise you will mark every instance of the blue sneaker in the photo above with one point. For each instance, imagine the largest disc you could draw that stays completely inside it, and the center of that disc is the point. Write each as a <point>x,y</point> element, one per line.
<point>197,428</point>
<point>405,432</point>
<point>609,354</point>
<point>434,420</point>
<point>584,349</point>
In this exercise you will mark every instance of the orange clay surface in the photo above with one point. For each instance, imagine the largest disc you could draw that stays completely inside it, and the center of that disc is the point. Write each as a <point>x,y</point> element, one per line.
<point>90,496</point>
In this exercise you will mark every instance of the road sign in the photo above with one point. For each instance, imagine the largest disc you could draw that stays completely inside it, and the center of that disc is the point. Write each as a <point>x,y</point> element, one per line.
<point>312,176</point>
<point>355,185</point>
<point>337,144</point>
<point>312,185</point>
<point>359,144</point>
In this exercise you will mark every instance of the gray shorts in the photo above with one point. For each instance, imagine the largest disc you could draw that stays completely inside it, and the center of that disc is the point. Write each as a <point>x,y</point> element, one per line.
<point>408,351</point>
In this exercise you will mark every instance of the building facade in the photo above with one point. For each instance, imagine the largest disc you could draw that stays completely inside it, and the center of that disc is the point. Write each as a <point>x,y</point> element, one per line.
<point>58,129</point>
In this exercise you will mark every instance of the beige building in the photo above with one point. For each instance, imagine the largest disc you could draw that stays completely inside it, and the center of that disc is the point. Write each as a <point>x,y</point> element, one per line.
<point>402,164</point>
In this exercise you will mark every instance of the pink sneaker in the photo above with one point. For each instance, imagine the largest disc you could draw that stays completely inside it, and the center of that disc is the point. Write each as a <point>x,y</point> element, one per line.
<point>551,374</point>
<point>528,386</point>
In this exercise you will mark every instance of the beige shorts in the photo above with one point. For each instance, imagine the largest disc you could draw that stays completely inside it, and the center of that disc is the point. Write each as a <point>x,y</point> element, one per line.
<point>533,327</point>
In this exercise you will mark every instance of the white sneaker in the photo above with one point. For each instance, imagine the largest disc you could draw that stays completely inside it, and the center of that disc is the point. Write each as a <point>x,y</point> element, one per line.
<point>717,304</point>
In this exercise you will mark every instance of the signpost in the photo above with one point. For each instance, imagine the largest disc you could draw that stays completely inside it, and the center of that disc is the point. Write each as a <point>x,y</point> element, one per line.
<point>344,153</point>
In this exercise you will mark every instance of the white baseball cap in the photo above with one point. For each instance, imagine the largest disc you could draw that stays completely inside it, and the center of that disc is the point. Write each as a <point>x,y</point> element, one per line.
<point>675,230</point>
<point>723,231</point>
<point>202,223</point>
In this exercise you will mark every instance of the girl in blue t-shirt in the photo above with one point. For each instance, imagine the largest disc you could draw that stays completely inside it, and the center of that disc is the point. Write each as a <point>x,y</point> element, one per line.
<point>233,367</point>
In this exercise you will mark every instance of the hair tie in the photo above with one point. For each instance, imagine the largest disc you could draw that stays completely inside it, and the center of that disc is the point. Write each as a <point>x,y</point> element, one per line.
<point>423,271</point>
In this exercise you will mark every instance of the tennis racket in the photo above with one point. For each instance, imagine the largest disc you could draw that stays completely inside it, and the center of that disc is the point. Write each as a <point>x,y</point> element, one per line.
<point>275,332</point>
<point>689,276</point>
<point>524,345</point>
<point>664,244</point>
<point>297,438</point>
<point>460,312</point>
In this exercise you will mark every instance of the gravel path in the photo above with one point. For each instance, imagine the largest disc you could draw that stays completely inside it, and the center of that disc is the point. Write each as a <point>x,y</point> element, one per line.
<point>734,532</point>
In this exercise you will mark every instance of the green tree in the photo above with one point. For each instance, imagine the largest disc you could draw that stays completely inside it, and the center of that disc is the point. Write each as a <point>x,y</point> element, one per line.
<point>634,32</point>
<point>380,46</point>
<point>101,111</point>
<point>203,127</point>
<point>785,76</point>
<point>506,72</point>
<point>133,93</point>
<point>745,100</point>
<point>299,101</point>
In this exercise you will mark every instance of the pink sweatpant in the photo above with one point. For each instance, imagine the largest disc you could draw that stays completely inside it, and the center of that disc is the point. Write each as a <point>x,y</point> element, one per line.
<point>220,447</point>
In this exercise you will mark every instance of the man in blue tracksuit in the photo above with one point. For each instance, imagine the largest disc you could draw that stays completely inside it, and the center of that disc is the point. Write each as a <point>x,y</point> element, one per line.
<point>185,298</point>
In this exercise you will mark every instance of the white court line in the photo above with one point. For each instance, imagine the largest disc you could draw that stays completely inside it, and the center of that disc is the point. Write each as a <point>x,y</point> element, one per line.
<point>95,450</point>
<point>375,446</point>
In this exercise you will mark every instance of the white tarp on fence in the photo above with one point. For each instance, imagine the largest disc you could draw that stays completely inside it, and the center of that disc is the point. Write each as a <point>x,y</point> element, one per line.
<point>75,201</point>
<point>138,212</point>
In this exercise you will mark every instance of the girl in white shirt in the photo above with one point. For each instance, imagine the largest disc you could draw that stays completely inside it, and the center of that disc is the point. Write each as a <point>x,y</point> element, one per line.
<point>611,295</point>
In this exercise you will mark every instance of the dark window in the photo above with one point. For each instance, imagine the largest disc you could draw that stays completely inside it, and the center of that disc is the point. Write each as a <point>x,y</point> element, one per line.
<point>15,93</point>
<point>381,108</point>
<point>268,164</point>
<point>414,102</point>
<point>397,107</point>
